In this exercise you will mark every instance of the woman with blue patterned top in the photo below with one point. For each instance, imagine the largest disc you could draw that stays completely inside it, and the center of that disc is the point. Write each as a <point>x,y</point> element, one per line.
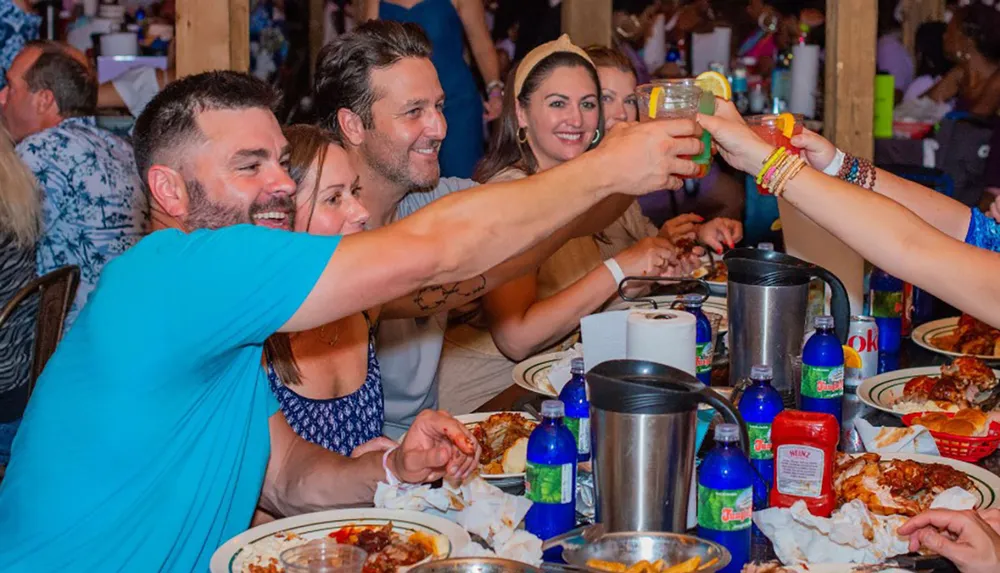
<point>18,26</point>
<point>940,211</point>
<point>327,380</point>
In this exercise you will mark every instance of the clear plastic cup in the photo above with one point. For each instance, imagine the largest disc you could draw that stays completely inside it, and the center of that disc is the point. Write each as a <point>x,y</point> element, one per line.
<point>323,556</point>
<point>766,127</point>
<point>679,99</point>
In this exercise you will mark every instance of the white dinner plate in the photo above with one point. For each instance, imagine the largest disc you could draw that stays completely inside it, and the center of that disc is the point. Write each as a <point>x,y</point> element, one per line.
<point>472,419</point>
<point>532,374</point>
<point>924,334</point>
<point>882,391</point>
<point>229,557</point>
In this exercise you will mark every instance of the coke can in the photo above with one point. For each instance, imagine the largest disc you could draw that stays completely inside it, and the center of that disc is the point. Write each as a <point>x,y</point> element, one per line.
<point>863,337</point>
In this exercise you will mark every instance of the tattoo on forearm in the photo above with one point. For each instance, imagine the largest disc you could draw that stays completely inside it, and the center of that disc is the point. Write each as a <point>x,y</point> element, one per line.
<point>437,296</point>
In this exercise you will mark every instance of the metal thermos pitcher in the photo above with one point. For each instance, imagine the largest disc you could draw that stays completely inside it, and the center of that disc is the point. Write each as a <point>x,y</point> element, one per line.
<point>643,417</point>
<point>767,300</point>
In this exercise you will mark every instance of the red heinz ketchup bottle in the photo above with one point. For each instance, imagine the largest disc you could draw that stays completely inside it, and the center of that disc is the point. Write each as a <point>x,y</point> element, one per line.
<point>804,446</point>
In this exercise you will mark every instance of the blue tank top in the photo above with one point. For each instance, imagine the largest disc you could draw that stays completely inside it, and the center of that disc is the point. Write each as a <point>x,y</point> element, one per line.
<point>338,424</point>
<point>440,21</point>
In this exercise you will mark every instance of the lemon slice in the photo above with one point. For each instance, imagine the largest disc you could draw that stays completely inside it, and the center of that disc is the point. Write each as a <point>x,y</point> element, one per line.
<point>851,358</point>
<point>715,83</point>
<point>654,100</point>
<point>786,123</point>
<point>776,225</point>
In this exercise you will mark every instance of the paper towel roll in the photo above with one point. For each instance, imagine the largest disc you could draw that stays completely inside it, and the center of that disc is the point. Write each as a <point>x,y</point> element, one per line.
<point>804,80</point>
<point>120,44</point>
<point>664,336</point>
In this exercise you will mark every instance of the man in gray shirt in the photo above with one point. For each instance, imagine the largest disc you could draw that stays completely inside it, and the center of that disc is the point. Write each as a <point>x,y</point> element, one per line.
<point>377,89</point>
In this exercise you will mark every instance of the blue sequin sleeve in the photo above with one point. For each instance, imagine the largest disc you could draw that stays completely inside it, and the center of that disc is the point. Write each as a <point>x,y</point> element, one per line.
<point>983,232</point>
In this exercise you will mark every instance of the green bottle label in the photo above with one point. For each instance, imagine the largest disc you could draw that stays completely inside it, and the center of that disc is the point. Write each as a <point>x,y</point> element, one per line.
<point>887,304</point>
<point>703,354</point>
<point>544,483</point>
<point>580,427</point>
<point>725,509</point>
<point>760,441</point>
<point>822,381</point>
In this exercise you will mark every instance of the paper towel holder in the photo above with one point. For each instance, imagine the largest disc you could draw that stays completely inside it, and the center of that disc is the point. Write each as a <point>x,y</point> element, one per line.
<point>706,292</point>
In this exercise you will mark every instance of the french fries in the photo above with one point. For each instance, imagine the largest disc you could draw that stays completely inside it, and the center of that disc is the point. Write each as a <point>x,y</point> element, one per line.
<point>658,566</point>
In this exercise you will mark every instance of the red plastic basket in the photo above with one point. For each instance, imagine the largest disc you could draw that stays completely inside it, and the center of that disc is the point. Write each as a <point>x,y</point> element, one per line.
<point>965,448</point>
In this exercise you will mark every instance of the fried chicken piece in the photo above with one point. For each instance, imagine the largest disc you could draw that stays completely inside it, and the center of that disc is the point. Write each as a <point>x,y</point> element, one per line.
<point>950,389</point>
<point>973,336</point>
<point>972,371</point>
<point>919,388</point>
<point>941,477</point>
<point>497,434</point>
<point>904,477</point>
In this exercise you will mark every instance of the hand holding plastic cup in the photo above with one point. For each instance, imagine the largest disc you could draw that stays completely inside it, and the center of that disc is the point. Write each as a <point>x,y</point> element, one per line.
<point>778,130</point>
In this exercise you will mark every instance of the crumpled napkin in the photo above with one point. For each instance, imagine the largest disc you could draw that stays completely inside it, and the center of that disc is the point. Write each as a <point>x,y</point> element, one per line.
<point>852,534</point>
<point>522,546</point>
<point>479,507</point>
<point>883,440</point>
<point>559,374</point>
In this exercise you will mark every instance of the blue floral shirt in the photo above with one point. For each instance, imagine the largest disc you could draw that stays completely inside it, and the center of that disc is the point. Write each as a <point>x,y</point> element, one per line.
<point>17,28</point>
<point>93,205</point>
<point>983,232</point>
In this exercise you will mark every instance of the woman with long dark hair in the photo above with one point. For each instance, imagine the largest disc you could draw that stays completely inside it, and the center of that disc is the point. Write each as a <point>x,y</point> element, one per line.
<point>552,113</point>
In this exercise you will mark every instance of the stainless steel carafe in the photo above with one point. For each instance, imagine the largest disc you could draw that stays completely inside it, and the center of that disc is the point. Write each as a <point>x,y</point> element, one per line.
<point>643,417</point>
<point>767,299</point>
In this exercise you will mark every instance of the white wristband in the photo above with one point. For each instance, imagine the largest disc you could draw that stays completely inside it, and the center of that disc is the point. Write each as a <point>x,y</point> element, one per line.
<point>834,167</point>
<point>616,271</point>
<point>389,477</point>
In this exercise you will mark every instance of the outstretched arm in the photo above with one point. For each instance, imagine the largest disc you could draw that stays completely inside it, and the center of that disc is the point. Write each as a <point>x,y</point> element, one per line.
<point>465,234</point>
<point>881,230</point>
<point>943,213</point>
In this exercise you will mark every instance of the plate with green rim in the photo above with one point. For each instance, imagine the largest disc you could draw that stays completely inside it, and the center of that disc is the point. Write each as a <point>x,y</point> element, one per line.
<point>882,391</point>
<point>532,374</point>
<point>925,334</point>
<point>450,537</point>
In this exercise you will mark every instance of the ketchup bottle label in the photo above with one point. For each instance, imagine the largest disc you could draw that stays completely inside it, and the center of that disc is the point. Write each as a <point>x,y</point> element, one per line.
<point>760,441</point>
<point>725,509</point>
<point>822,382</point>
<point>798,470</point>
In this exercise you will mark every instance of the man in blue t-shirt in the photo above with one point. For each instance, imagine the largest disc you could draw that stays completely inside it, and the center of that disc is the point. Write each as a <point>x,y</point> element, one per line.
<point>152,435</point>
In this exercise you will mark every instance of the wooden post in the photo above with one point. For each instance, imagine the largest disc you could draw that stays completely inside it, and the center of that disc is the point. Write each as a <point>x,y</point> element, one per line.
<point>587,21</point>
<point>317,28</point>
<point>850,75</point>
<point>918,12</point>
<point>212,35</point>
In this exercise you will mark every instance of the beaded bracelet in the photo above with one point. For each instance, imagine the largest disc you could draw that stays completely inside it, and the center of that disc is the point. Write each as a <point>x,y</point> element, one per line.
<point>858,171</point>
<point>775,156</point>
<point>779,186</point>
<point>778,168</point>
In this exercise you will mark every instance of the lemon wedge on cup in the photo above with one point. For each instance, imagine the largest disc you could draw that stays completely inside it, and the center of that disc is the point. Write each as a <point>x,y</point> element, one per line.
<point>715,83</point>
<point>851,357</point>
<point>654,100</point>
<point>786,124</point>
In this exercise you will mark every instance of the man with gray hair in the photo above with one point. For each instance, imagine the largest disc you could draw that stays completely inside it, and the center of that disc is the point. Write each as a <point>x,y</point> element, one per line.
<point>93,205</point>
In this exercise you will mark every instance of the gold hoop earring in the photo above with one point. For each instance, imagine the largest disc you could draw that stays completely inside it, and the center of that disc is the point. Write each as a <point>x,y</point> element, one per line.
<point>597,136</point>
<point>522,135</point>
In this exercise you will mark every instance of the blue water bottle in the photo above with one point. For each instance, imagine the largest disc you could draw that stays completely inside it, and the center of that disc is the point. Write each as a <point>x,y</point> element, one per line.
<point>759,404</point>
<point>550,478</point>
<point>574,399</point>
<point>725,497</point>
<point>887,308</point>
<point>822,388</point>
<point>704,349</point>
